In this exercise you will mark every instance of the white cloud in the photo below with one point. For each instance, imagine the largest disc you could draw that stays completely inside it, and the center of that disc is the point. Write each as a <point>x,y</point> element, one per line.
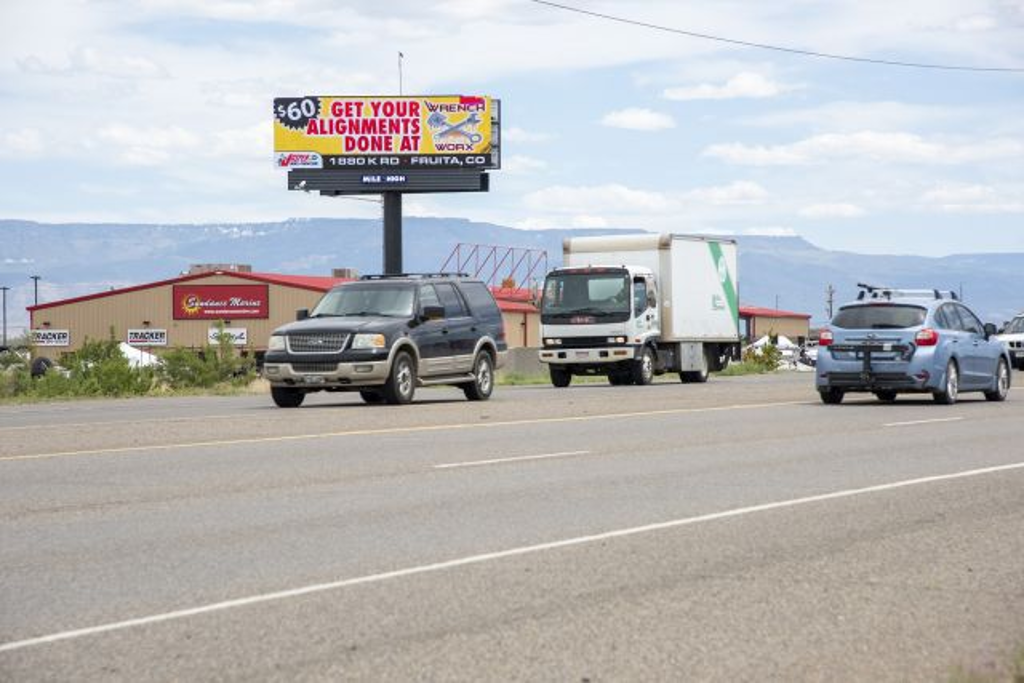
<point>769,232</point>
<point>521,164</point>
<point>589,221</point>
<point>740,192</point>
<point>839,210</point>
<point>251,142</point>
<point>866,145</point>
<point>635,118</point>
<point>19,142</point>
<point>146,146</point>
<point>89,60</point>
<point>963,198</point>
<point>514,134</point>
<point>612,198</point>
<point>743,85</point>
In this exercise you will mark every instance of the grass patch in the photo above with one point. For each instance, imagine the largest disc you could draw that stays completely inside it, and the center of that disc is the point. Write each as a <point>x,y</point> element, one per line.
<point>744,368</point>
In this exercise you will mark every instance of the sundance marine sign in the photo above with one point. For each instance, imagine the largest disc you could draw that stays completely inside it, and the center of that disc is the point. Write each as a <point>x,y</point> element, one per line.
<point>374,132</point>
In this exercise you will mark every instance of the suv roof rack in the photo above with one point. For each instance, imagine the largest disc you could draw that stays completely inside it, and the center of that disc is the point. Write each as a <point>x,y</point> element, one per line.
<point>412,276</point>
<point>890,293</point>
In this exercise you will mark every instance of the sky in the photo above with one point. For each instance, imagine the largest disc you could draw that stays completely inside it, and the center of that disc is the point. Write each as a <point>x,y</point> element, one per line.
<point>159,111</point>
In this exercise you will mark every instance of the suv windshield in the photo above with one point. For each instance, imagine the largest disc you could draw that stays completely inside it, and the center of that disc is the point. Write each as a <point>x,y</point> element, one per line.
<point>597,294</point>
<point>366,299</point>
<point>879,317</point>
<point>1016,326</point>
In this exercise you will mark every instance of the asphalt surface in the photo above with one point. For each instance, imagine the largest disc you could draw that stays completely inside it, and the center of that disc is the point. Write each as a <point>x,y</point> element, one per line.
<point>737,530</point>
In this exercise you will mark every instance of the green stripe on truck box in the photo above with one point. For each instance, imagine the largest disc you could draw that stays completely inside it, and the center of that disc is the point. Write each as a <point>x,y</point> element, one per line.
<point>725,277</point>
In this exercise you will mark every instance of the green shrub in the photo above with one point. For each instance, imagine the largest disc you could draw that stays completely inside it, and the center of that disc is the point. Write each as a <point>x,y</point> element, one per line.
<point>208,367</point>
<point>766,358</point>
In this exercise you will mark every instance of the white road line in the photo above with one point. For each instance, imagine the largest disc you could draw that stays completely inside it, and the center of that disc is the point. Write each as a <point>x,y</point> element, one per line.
<point>518,458</point>
<point>923,422</point>
<point>396,430</point>
<point>490,557</point>
<point>133,423</point>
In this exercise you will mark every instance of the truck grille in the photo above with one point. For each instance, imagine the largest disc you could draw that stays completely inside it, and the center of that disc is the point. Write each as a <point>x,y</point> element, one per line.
<point>317,342</point>
<point>583,342</point>
<point>314,367</point>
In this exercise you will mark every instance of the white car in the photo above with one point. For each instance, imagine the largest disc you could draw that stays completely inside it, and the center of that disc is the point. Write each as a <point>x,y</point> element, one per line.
<point>1013,337</point>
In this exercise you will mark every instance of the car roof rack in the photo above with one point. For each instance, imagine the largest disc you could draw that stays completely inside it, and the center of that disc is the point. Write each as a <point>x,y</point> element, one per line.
<point>412,276</point>
<point>875,292</point>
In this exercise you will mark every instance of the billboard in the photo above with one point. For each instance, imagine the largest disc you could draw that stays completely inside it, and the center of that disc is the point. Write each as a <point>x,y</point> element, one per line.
<point>210,302</point>
<point>378,134</point>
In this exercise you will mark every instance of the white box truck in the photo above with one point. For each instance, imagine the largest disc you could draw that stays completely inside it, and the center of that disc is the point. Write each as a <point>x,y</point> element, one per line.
<point>635,306</point>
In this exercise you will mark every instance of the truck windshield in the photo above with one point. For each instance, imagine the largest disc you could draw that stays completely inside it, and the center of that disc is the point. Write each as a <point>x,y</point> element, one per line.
<point>879,317</point>
<point>366,300</point>
<point>599,294</point>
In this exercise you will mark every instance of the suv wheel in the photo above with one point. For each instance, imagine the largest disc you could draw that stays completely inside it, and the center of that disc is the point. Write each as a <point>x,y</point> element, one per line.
<point>1002,383</point>
<point>401,384</point>
<point>371,396</point>
<point>286,397</point>
<point>560,377</point>
<point>951,389</point>
<point>831,396</point>
<point>886,395</point>
<point>643,368</point>
<point>483,378</point>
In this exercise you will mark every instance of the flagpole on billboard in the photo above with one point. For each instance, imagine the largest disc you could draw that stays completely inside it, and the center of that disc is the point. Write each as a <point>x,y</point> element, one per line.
<point>400,58</point>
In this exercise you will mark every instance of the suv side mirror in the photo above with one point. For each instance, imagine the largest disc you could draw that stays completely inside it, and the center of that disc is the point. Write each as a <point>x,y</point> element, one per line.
<point>302,314</point>
<point>433,312</point>
<point>990,329</point>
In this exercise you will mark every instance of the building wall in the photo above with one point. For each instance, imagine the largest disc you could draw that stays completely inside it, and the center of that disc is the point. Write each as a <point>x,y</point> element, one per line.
<point>94,318</point>
<point>794,328</point>
<point>522,329</point>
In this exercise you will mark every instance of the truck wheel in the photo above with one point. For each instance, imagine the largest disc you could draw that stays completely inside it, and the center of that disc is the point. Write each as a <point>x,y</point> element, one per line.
<point>483,379</point>
<point>1002,383</point>
<point>286,397</point>
<point>951,389</point>
<point>401,384</point>
<point>643,368</point>
<point>560,377</point>
<point>832,397</point>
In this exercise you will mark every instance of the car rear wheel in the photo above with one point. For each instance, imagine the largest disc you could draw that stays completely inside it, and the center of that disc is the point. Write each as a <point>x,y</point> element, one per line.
<point>951,388</point>
<point>401,384</point>
<point>483,378</point>
<point>886,395</point>
<point>286,397</point>
<point>560,377</point>
<point>1002,383</point>
<point>831,396</point>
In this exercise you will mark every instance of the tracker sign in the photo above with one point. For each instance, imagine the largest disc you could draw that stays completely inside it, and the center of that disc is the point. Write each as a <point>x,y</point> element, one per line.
<point>211,302</point>
<point>147,336</point>
<point>375,134</point>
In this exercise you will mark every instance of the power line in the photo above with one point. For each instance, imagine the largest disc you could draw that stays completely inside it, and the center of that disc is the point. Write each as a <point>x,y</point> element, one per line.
<point>777,48</point>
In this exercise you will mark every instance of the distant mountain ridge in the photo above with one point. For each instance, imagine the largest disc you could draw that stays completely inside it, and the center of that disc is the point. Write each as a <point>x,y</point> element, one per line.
<point>80,258</point>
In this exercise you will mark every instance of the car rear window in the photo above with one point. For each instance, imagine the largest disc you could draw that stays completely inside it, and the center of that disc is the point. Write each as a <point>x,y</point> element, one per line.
<point>879,317</point>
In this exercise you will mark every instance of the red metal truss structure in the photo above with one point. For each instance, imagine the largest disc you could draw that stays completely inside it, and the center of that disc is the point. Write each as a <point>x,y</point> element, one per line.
<point>499,266</point>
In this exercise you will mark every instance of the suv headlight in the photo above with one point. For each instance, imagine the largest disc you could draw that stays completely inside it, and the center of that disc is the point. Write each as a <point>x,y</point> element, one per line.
<point>276,342</point>
<point>368,341</point>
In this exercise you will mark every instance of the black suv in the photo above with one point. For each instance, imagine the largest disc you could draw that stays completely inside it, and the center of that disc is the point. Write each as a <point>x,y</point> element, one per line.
<point>384,335</point>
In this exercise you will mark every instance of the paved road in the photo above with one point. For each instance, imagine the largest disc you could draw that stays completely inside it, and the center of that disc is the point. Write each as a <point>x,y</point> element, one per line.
<point>737,530</point>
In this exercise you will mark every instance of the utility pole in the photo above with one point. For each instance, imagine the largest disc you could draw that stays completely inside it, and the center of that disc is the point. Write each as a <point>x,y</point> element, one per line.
<point>35,289</point>
<point>4,290</point>
<point>830,297</point>
<point>400,58</point>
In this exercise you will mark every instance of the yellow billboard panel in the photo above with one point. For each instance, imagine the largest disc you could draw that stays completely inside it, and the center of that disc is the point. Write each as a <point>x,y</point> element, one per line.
<point>358,132</point>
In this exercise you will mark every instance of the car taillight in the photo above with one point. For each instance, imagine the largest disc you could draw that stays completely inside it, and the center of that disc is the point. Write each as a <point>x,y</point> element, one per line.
<point>825,338</point>
<point>926,337</point>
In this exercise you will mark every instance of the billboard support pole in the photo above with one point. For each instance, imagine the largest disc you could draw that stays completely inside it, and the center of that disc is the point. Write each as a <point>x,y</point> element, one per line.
<point>392,233</point>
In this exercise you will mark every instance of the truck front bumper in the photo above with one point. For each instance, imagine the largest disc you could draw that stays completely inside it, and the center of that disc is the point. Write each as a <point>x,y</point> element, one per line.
<point>589,356</point>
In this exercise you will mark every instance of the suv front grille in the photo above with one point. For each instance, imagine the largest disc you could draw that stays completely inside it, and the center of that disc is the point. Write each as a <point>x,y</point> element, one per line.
<point>314,367</point>
<point>317,342</point>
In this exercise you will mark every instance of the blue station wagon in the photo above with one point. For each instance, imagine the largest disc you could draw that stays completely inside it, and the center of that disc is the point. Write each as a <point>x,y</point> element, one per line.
<point>894,341</point>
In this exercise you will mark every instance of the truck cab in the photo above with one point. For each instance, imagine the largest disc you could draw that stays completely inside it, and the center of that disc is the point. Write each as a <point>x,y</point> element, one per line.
<point>600,320</point>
